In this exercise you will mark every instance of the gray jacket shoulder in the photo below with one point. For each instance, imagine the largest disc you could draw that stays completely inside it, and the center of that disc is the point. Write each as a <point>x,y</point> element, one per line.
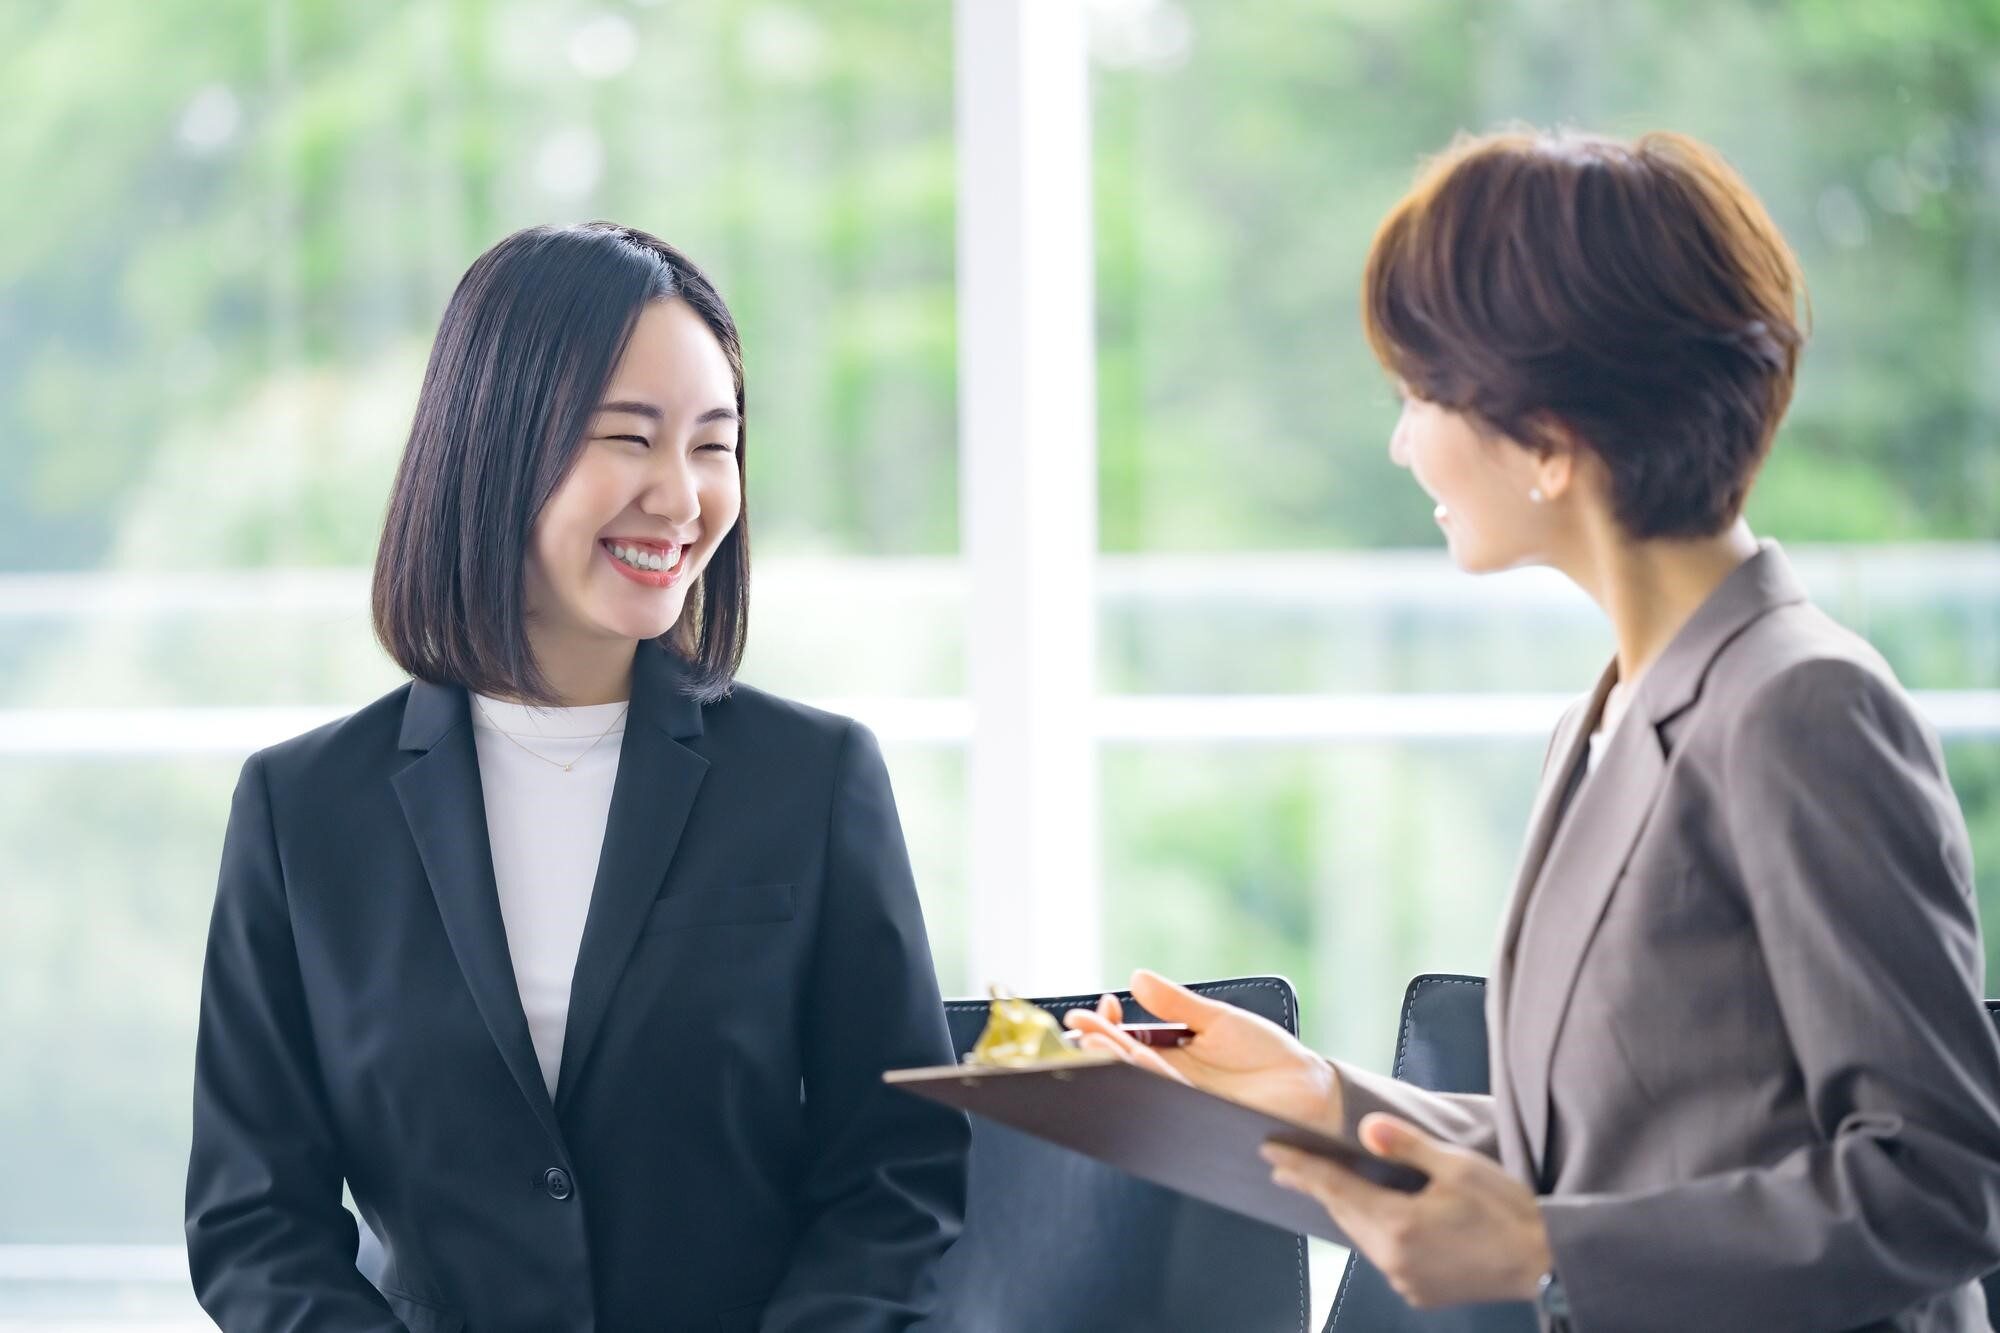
<point>1794,667</point>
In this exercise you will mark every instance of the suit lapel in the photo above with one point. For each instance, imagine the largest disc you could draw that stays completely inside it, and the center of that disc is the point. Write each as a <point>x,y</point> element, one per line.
<point>1570,883</point>
<point>1552,800</point>
<point>443,803</point>
<point>1566,751</point>
<point>658,780</point>
<point>1584,862</point>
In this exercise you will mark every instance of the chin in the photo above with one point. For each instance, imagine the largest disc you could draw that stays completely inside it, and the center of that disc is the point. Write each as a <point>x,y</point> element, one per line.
<point>1476,560</point>
<point>626,625</point>
<point>1465,554</point>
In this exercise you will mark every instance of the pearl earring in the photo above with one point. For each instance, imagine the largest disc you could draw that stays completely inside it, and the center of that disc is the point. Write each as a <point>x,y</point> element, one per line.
<point>1536,495</point>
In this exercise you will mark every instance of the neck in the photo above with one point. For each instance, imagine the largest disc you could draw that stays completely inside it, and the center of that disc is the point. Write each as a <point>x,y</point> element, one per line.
<point>596,671</point>
<point>1649,589</point>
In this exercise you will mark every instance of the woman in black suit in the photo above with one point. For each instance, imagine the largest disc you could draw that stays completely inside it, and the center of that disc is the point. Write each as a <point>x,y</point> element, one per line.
<point>577,963</point>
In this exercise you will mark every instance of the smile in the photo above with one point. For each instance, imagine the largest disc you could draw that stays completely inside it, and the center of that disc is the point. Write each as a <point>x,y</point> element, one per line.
<point>654,564</point>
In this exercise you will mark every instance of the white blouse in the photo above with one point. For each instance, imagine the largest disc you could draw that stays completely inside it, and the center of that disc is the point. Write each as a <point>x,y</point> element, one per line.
<point>546,828</point>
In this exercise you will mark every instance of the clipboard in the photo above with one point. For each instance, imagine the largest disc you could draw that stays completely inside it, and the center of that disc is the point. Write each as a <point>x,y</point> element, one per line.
<point>1158,1129</point>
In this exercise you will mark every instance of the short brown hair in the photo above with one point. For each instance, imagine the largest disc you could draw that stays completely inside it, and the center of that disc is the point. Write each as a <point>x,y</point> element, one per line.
<point>524,352</point>
<point>1635,293</point>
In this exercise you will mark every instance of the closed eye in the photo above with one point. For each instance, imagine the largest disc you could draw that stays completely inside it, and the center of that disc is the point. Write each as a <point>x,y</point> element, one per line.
<point>723,445</point>
<point>639,440</point>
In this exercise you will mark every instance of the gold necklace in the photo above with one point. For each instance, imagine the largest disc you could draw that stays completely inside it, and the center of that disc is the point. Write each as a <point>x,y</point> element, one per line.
<point>544,758</point>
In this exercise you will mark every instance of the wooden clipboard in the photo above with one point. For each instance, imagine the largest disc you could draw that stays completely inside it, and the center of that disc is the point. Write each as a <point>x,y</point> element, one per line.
<point>1158,1129</point>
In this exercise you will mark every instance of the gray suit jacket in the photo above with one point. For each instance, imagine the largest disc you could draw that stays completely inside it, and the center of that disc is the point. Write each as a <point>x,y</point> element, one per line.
<point>1738,1042</point>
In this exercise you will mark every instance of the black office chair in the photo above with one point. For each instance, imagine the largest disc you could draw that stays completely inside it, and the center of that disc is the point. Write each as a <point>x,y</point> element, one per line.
<point>1057,1243</point>
<point>1442,1046</point>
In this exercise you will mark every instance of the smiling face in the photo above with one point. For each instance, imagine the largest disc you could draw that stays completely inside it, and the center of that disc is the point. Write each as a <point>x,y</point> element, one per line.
<point>1484,486</point>
<point>654,490</point>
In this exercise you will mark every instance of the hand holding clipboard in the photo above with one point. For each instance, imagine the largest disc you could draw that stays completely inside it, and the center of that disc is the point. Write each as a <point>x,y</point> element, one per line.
<point>1190,1111</point>
<point>1232,1054</point>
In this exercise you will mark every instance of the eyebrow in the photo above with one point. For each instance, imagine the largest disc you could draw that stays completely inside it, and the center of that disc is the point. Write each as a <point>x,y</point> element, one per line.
<point>653,413</point>
<point>636,409</point>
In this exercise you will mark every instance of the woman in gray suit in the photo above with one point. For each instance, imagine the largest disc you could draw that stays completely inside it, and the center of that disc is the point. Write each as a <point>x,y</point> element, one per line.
<point>1742,1076</point>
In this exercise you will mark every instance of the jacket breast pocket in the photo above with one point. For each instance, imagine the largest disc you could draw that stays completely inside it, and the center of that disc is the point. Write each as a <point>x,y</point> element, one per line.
<point>680,908</point>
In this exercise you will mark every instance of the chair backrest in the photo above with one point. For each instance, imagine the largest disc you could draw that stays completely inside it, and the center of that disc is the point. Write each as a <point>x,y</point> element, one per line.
<point>1057,1243</point>
<point>1442,1046</point>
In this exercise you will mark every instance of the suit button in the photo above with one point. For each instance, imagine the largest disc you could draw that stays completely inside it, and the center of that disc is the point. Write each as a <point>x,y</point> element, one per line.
<point>557,1181</point>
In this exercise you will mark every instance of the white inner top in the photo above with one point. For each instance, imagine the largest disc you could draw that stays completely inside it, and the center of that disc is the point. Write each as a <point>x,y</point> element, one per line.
<point>1607,725</point>
<point>546,827</point>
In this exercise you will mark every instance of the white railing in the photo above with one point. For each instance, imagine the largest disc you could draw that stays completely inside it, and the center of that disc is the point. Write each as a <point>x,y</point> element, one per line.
<point>1405,577</point>
<point>1116,719</point>
<point>1871,579</point>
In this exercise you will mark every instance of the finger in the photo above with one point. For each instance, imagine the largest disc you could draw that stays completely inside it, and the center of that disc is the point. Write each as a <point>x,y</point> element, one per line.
<point>1131,1052</point>
<point>1359,1210</point>
<point>1104,1018</point>
<point>1090,1020</point>
<point>1092,1029</point>
<point>1338,1190</point>
<point>1173,1003</point>
<point>1400,1141</point>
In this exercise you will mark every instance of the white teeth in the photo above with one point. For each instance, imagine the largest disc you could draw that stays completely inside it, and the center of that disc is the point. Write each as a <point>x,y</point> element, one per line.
<point>643,559</point>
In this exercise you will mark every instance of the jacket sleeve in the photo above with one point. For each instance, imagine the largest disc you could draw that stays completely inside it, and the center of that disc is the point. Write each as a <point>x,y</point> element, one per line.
<point>1855,865</point>
<point>270,1248</point>
<point>1462,1118</point>
<point>884,1194</point>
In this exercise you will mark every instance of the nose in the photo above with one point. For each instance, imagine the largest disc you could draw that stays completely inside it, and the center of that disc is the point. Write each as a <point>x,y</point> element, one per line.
<point>1399,441</point>
<point>671,492</point>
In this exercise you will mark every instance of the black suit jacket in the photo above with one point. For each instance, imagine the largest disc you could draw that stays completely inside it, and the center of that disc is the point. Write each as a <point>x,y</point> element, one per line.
<point>721,1152</point>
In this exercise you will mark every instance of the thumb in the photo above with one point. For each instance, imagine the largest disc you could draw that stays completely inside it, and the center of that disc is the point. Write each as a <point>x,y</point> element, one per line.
<point>1400,1141</point>
<point>1173,1003</point>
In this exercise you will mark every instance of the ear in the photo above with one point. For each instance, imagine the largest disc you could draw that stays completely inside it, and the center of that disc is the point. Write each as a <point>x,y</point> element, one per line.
<point>1558,460</point>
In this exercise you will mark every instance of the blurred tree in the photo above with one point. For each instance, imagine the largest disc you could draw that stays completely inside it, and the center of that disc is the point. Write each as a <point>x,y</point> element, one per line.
<point>228,194</point>
<point>1246,152</point>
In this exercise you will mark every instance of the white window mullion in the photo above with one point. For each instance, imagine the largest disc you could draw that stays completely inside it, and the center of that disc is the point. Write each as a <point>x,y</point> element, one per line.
<point>1028,489</point>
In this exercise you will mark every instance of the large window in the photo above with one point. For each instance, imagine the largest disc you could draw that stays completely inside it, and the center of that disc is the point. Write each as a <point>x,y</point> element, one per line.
<point>1312,741</point>
<point>235,228</point>
<point>1245,150</point>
